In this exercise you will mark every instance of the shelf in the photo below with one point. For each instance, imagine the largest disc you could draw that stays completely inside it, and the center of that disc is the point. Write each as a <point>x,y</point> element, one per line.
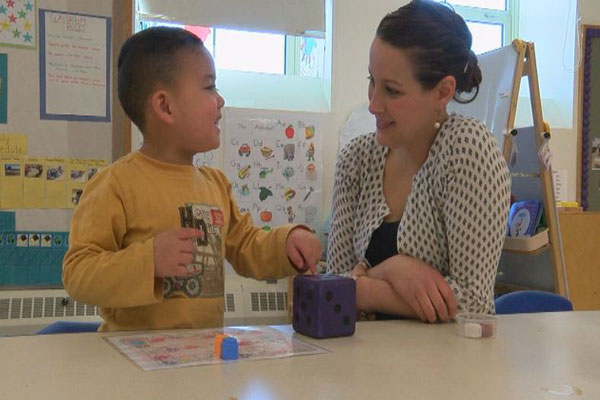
<point>531,245</point>
<point>529,252</point>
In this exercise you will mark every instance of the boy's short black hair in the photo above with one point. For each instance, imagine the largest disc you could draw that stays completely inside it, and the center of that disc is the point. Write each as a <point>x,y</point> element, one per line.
<point>147,59</point>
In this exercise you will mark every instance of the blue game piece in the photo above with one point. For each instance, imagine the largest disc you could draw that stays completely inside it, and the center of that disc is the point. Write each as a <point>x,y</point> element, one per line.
<point>229,348</point>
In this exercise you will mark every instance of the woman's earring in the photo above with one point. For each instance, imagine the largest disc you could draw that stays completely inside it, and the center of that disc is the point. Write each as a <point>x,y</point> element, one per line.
<point>437,125</point>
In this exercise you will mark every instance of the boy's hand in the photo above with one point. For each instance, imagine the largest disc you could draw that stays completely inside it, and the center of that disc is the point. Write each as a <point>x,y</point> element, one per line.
<point>303,248</point>
<point>174,250</point>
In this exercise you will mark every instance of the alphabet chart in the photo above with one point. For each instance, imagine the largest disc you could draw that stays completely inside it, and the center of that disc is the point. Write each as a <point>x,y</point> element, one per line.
<point>274,162</point>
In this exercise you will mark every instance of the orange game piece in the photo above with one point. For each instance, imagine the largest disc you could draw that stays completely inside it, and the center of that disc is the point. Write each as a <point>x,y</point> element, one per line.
<point>218,341</point>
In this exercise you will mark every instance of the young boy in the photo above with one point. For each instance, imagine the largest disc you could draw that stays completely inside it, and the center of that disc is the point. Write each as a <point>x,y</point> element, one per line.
<point>150,233</point>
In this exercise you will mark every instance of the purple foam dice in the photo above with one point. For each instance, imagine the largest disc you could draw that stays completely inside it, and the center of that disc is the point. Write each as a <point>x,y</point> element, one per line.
<point>324,306</point>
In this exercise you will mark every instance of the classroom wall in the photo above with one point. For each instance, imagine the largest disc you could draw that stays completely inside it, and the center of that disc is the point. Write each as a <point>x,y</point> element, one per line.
<point>589,10</point>
<point>50,138</point>
<point>552,29</point>
<point>564,143</point>
<point>354,27</point>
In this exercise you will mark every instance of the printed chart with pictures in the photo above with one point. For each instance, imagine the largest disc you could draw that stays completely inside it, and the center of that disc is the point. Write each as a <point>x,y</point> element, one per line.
<point>176,349</point>
<point>274,162</point>
<point>207,159</point>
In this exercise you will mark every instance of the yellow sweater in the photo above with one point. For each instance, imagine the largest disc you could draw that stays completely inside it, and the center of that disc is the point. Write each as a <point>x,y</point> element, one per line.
<point>110,261</point>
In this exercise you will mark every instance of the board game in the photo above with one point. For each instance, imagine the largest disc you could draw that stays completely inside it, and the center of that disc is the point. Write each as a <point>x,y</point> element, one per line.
<point>176,349</point>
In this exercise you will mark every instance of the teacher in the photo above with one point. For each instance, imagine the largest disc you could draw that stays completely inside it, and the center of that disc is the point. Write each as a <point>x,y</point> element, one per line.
<point>420,206</point>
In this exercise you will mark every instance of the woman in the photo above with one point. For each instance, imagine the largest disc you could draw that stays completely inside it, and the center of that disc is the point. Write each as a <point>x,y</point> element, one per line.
<point>420,206</point>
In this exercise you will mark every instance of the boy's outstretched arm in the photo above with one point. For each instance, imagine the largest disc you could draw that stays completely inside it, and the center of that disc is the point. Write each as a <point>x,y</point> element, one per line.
<point>255,253</point>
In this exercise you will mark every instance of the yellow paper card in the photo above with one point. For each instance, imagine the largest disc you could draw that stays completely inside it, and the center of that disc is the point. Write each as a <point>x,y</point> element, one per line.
<point>11,183</point>
<point>95,166</point>
<point>56,183</point>
<point>34,182</point>
<point>77,173</point>
<point>13,144</point>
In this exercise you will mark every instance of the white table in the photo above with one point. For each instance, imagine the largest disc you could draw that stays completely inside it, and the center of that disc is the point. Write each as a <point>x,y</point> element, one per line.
<point>531,357</point>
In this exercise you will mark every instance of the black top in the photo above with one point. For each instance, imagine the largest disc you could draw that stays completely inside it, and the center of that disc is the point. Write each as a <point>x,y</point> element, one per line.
<point>383,244</point>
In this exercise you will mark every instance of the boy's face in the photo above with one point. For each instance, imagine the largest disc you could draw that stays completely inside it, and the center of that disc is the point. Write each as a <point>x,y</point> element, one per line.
<point>197,105</point>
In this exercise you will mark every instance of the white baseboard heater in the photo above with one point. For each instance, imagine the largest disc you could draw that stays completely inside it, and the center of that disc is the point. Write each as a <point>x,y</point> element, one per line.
<point>247,302</point>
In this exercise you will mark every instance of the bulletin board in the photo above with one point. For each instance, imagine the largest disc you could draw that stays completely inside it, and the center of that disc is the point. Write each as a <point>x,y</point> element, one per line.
<point>43,162</point>
<point>589,140</point>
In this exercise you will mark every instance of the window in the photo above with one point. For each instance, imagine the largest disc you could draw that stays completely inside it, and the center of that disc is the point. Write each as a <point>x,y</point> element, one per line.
<point>258,52</point>
<point>493,23</point>
<point>273,55</point>
<point>249,51</point>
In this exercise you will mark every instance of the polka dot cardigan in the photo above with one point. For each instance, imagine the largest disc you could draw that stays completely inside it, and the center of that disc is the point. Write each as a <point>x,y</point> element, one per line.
<point>455,216</point>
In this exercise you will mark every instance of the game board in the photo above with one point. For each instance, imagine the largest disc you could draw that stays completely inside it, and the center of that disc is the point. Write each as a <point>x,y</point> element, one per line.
<point>176,349</point>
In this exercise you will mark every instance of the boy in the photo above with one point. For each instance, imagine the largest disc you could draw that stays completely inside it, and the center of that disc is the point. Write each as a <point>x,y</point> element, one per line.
<point>149,234</point>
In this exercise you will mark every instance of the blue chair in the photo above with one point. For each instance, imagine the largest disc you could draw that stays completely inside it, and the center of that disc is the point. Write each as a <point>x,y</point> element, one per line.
<point>69,327</point>
<point>531,301</point>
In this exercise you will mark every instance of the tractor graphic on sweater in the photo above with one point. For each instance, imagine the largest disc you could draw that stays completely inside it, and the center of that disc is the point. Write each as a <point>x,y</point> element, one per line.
<point>205,278</point>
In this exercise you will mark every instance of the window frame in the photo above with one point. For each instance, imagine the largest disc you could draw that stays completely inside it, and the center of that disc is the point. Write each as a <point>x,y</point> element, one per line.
<point>264,90</point>
<point>509,18</point>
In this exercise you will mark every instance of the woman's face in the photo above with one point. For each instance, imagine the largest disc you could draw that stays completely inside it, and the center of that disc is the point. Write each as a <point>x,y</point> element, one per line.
<point>405,112</point>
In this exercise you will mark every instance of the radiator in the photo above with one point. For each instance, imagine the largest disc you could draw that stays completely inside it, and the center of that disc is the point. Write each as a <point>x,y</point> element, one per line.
<point>247,302</point>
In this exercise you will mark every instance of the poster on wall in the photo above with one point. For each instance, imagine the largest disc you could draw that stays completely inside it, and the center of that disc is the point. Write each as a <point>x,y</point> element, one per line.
<point>207,159</point>
<point>17,23</point>
<point>74,66</point>
<point>274,162</point>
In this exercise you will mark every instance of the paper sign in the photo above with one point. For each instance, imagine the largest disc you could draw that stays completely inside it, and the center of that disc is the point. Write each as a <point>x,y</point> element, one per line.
<point>34,182</point>
<point>11,183</point>
<point>77,174</point>
<point>559,177</point>
<point>74,66</point>
<point>13,144</point>
<point>56,184</point>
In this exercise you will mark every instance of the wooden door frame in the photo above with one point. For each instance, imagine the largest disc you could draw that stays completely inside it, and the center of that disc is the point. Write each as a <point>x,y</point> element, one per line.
<point>122,28</point>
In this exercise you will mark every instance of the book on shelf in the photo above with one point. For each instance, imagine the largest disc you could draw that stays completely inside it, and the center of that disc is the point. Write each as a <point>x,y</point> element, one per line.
<point>524,218</point>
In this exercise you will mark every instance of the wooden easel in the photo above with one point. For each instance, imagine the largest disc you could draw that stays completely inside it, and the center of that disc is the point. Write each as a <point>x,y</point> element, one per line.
<point>526,66</point>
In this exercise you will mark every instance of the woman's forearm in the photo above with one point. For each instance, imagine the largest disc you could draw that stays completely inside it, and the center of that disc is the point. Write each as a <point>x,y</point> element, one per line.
<point>376,295</point>
<point>380,271</point>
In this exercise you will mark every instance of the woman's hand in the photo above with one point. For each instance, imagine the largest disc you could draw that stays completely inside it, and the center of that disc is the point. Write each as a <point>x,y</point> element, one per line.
<point>421,286</point>
<point>360,269</point>
<point>377,295</point>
